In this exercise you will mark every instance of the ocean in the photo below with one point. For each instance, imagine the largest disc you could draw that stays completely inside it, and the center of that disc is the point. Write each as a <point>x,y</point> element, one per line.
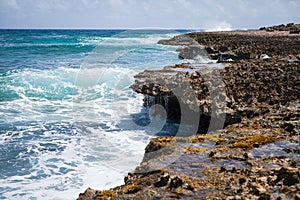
<point>68,119</point>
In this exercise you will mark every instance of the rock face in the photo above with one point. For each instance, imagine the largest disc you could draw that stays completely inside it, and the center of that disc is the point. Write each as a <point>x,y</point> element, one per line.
<point>250,109</point>
<point>241,89</point>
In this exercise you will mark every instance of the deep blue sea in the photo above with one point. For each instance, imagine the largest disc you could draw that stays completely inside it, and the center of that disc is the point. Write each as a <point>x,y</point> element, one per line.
<point>68,119</point>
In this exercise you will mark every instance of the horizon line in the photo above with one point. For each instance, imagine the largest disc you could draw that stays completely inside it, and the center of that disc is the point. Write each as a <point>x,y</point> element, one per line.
<point>142,28</point>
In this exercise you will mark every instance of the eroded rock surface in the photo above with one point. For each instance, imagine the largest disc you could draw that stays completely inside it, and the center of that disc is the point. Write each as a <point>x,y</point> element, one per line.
<point>242,89</point>
<point>247,160</point>
<point>274,41</point>
<point>256,155</point>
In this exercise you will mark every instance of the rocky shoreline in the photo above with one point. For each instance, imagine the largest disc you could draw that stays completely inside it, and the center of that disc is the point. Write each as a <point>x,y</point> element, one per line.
<point>238,45</point>
<point>244,120</point>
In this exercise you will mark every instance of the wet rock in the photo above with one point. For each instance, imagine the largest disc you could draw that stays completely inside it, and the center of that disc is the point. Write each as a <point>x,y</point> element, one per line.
<point>225,174</point>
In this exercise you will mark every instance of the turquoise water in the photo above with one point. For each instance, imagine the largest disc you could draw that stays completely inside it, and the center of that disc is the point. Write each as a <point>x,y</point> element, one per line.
<point>66,110</point>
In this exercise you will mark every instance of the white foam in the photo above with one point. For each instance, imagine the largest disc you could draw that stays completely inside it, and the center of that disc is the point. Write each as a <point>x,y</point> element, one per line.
<point>220,26</point>
<point>151,40</point>
<point>98,160</point>
<point>76,135</point>
<point>87,155</point>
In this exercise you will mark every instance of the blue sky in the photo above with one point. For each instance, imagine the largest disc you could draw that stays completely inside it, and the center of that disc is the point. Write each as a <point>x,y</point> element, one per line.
<point>188,14</point>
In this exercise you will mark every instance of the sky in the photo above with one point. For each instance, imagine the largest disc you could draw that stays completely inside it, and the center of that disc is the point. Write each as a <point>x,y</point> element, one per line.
<point>132,14</point>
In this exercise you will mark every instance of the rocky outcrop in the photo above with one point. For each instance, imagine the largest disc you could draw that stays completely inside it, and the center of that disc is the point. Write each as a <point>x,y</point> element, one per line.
<point>241,89</point>
<point>237,45</point>
<point>256,158</point>
<point>291,28</point>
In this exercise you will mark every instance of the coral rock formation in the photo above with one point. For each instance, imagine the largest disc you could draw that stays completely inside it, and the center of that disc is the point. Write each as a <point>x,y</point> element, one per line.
<point>252,151</point>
